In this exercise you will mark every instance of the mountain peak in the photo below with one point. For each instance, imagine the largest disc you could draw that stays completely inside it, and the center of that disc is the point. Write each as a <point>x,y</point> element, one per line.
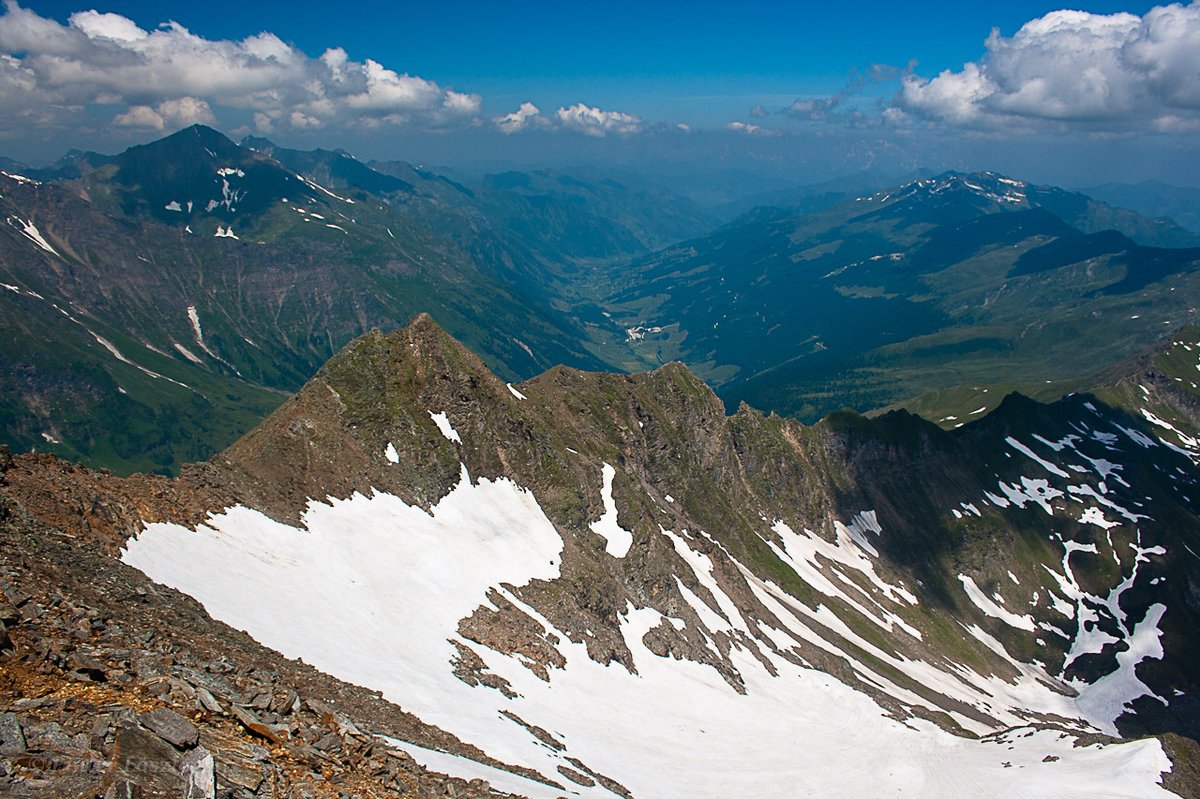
<point>196,177</point>
<point>332,438</point>
<point>257,143</point>
<point>197,134</point>
<point>986,185</point>
<point>404,411</point>
<point>187,146</point>
<point>423,325</point>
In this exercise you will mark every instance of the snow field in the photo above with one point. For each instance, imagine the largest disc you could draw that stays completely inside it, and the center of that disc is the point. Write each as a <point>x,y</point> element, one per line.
<point>371,590</point>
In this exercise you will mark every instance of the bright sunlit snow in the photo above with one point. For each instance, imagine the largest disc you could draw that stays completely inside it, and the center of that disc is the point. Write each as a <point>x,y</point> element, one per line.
<point>499,779</point>
<point>617,539</point>
<point>443,424</point>
<point>32,233</point>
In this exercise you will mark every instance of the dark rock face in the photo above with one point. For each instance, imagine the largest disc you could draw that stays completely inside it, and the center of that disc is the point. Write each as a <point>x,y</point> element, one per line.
<point>12,737</point>
<point>171,727</point>
<point>143,759</point>
<point>162,758</point>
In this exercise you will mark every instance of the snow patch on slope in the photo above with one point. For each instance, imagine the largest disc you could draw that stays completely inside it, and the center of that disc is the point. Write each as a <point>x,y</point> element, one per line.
<point>1112,695</point>
<point>31,232</point>
<point>467,769</point>
<point>443,424</point>
<point>702,566</point>
<point>368,589</point>
<point>116,353</point>
<point>990,608</point>
<point>21,179</point>
<point>617,540</point>
<point>191,356</point>
<point>1102,627</point>
<point>321,188</point>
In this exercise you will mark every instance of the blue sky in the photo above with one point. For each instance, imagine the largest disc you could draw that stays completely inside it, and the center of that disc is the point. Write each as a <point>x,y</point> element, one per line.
<point>694,62</point>
<point>448,81</point>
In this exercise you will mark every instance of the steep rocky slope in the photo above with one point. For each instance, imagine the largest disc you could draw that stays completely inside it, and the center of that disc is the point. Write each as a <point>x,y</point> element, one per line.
<point>607,582</point>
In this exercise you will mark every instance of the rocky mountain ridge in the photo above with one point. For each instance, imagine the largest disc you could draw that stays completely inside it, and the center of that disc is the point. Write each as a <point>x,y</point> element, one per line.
<point>1004,595</point>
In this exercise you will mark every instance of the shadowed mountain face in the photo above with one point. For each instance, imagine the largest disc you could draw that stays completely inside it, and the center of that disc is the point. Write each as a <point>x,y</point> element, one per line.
<point>960,280</point>
<point>609,585</point>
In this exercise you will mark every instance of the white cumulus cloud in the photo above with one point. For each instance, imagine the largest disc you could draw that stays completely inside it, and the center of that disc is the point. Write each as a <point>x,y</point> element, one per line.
<point>108,26</point>
<point>1072,68</point>
<point>591,121</point>
<point>141,116</point>
<point>170,76</point>
<point>579,118</point>
<point>528,115</point>
<point>186,111</point>
<point>168,114</point>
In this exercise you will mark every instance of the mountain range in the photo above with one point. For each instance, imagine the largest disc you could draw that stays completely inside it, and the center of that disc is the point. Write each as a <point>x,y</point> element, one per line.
<point>346,478</point>
<point>202,281</point>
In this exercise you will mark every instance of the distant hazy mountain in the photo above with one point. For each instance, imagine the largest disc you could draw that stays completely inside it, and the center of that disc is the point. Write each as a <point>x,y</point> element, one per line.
<point>564,215</point>
<point>1104,208</point>
<point>75,164</point>
<point>951,281</point>
<point>812,197</point>
<point>1154,199</point>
